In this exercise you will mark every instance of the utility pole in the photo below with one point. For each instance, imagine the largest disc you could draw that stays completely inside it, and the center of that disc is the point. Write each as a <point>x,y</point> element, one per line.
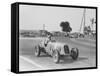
<point>43,26</point>
<point>92,22</point>
<point>83,19</point>
<point>43,33</point>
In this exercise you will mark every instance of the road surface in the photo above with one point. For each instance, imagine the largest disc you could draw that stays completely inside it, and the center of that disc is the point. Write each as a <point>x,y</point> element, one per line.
<point>29,62</point>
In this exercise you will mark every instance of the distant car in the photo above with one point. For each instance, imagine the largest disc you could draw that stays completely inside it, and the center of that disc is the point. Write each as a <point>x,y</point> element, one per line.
<point>56,50</point>
<point>81,35</point>
<point>73,35</point>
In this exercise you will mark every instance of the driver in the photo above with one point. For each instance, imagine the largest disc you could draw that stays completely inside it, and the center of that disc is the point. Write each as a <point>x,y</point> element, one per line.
<point>48,39</point>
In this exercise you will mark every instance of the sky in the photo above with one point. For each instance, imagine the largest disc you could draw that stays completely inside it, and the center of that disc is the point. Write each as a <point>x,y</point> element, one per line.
<point>32,17</point>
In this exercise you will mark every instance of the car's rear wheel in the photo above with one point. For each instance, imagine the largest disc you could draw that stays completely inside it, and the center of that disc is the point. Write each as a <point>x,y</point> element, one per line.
<point>74,53</point>
<point>37,51</point>
<point>56,56</point>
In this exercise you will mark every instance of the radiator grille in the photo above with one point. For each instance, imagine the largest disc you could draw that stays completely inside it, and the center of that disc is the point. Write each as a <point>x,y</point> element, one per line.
<point>66,49</point>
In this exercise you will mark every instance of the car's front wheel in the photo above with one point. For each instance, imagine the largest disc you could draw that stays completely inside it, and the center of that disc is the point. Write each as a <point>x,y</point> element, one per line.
<point>37,51</point>
<point>56,56</point>
<point>74,53</point>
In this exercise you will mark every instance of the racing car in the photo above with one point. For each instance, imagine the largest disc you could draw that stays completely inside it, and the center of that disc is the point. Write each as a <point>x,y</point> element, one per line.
<point>56,50</point>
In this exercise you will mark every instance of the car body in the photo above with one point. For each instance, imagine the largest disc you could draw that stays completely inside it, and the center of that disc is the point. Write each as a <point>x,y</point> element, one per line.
<point>56,50</point>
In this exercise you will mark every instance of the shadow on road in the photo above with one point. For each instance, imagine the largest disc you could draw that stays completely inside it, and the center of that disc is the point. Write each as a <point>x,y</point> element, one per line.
<point>44,55</point>
<point>67,60</point>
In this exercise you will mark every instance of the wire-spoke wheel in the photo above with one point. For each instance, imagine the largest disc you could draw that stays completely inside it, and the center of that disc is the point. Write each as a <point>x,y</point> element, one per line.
<point>37,51</point>
<point>74,53</point>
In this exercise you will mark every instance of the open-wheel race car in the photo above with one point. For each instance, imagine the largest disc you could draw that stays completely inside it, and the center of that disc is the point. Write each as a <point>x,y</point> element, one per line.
<point>56,50</point>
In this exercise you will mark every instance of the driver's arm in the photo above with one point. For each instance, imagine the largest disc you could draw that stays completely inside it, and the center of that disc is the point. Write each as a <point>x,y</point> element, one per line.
<point>46,40</point>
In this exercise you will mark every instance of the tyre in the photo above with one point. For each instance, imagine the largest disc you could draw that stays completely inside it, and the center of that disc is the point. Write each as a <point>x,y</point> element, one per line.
<point>74,53</point>
<point>37,51</point>
<point>56,56</point>
<point>66,48</point>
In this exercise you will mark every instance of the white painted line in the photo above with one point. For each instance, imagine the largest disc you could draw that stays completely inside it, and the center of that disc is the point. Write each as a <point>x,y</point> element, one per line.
<point>32,62</point>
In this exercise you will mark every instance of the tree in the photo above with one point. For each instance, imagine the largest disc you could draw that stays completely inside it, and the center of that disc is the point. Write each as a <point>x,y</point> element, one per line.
<point>66,27</point>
